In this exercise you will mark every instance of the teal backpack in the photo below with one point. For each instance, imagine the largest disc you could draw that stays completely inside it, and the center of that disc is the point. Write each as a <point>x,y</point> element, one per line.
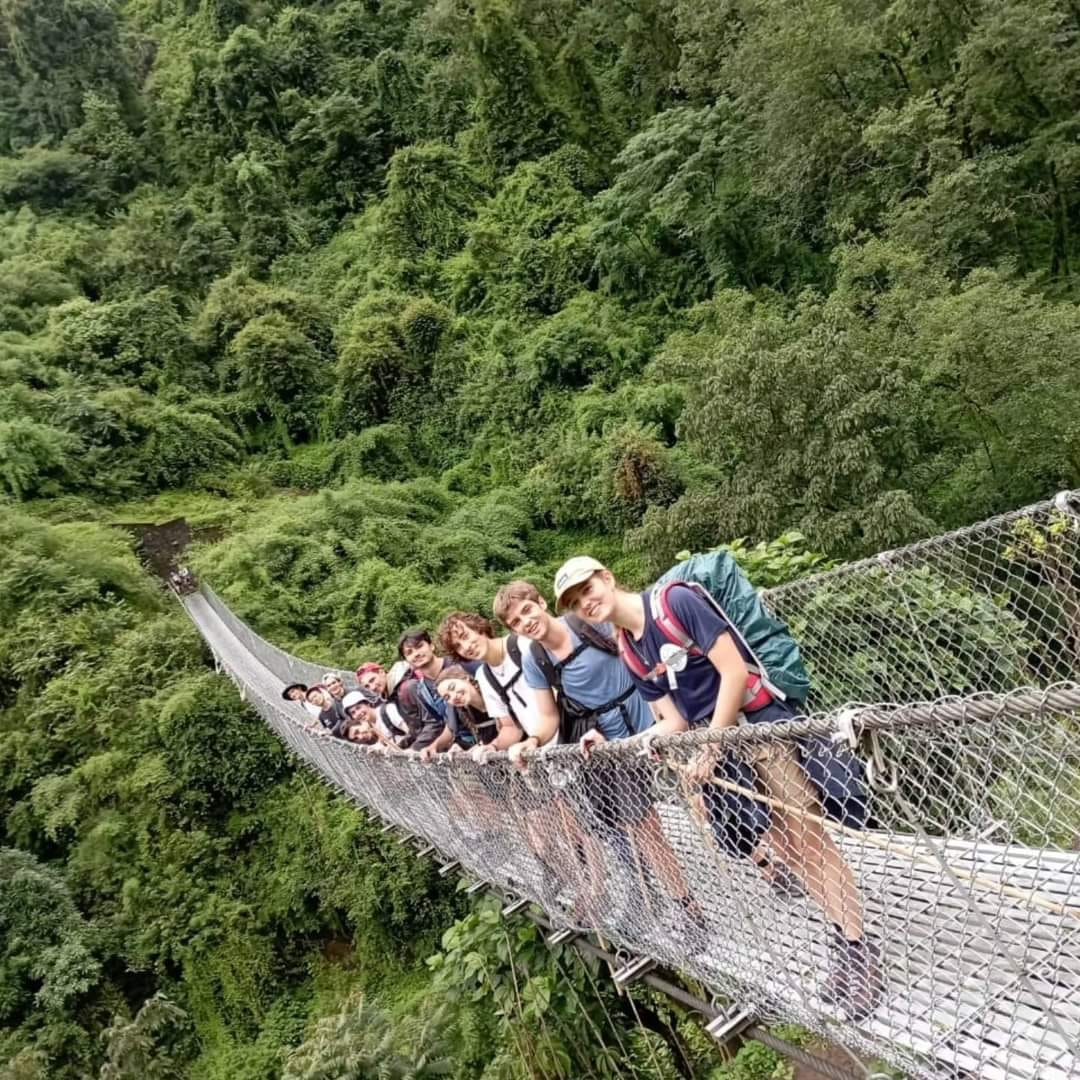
<point>721,580</point>
<point>837,773</point>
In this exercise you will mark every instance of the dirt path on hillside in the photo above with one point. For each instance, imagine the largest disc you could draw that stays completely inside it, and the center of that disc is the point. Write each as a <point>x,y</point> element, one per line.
<point>160,547</point>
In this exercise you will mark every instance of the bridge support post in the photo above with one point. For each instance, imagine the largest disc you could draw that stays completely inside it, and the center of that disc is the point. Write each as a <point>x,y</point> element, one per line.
<point>514,906</point>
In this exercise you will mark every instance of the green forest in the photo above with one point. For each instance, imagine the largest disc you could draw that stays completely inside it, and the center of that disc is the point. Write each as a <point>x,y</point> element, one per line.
<point>392,301</point>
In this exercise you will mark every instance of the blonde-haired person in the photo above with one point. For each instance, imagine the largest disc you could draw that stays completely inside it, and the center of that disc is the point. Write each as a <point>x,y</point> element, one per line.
<point>584,692</point>
<point>711,686</point>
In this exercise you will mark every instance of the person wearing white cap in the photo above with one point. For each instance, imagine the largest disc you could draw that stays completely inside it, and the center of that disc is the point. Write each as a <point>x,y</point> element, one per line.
<point>359,707</point>
<point>582,687</point>
<point>684,655</point>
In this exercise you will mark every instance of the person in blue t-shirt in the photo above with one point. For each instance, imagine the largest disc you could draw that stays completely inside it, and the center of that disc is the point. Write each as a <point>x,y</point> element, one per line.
<point>715,684</point>
<point>581,687</point>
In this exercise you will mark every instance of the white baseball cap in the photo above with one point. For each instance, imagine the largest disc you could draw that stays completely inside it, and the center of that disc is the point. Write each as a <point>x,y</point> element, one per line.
<point>573,572</point>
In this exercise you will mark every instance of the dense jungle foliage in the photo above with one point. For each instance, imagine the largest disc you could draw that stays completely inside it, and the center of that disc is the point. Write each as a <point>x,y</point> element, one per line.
<point>406,297</point>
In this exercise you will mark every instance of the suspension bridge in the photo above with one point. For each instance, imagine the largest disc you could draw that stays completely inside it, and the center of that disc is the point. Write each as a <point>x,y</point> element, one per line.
<point>952,669</point>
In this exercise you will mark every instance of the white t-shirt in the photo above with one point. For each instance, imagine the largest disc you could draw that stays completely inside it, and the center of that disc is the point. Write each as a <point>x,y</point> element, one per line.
<point>522,696</point>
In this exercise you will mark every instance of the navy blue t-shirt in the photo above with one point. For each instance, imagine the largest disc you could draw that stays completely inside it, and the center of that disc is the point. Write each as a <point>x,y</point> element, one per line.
<point>698,683</point>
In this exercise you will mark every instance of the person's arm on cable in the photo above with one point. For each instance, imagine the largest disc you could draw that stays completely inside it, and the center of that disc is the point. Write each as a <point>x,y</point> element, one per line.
<point>669,721</point>
<point>547,711</point>
<point>509,731</point>
<point>444,741</point>
<point>710,632</point>
<point>728,661</point>
<point>438,746</point>
<point>509,734</point>
<point>548,728</point>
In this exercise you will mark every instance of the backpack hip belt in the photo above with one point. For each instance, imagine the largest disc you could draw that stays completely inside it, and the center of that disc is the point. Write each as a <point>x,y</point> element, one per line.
<point>757,694</point>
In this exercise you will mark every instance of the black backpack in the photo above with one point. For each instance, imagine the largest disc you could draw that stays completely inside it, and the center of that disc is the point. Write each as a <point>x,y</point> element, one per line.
<point>471,724</point>
<point>513,650</point>
<point>576,719</point>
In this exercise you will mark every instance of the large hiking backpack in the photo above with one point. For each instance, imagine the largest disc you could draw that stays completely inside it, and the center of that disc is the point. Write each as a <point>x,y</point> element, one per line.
<point>575,719</point>
<point>836,772</point>
<point>719,578</point>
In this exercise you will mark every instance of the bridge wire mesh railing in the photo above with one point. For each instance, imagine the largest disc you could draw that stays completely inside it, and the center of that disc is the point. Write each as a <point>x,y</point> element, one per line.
<point>957,858</point>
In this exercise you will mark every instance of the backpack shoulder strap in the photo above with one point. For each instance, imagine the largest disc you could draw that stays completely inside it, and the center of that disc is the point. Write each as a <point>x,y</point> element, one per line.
<point>513,649</point>
<point>425,691</point>
<point>630,656</point>
<point>665,618</point>
<point>543,661</point>
<point>503,692</point>
<point>672,626</point>
<point>592,635</point>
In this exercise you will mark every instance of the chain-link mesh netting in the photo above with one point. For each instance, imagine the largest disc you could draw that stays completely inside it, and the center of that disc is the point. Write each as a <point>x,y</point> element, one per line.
<point>915,900</point>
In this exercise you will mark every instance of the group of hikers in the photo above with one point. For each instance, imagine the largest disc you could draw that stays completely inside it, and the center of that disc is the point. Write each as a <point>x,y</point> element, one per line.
<point>611,664</point>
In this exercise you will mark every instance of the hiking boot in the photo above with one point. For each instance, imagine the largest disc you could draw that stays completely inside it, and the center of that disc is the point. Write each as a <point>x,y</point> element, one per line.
<point>855,982</point>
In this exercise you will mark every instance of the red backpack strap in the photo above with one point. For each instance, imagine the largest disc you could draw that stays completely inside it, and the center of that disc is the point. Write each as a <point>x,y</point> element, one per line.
<point>666,619</point>
<point>630,656</point>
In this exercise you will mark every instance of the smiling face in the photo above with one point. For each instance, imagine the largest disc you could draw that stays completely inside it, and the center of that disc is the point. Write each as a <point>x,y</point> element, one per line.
<point>417,654</point>
<point>530,618</point>
<point>296,694</point>
<point>594,599</point>
<point>361,712</point>
<point>318,696</point>
<point>336,687</point>
<point>459,693</point>
<point>361,733</point>
<point>374,682</point>
<point>468,644</point>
